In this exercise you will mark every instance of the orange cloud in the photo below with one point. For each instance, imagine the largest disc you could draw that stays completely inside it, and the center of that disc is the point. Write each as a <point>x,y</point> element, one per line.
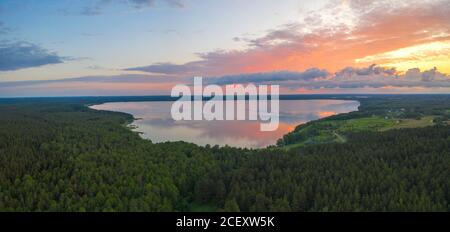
<point>371,29</point>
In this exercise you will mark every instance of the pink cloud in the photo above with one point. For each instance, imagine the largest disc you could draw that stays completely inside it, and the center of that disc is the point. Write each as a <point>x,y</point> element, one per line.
<point>372,27</point>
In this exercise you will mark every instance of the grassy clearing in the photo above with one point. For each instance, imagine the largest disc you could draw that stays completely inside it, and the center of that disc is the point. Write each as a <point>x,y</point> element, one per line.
<point>340,138</point>
<point>375,123</point>
<point>328,131</point>
<point>413,123</point>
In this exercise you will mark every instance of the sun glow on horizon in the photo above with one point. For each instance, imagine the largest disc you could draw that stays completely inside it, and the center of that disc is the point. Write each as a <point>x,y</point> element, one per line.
<point>423,56</point>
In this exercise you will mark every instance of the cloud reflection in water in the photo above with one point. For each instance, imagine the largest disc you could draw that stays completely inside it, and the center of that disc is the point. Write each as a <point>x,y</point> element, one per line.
<point>156,123</point>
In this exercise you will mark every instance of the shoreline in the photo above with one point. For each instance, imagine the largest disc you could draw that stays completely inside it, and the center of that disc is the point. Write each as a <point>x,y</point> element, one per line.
<point>134,128</point>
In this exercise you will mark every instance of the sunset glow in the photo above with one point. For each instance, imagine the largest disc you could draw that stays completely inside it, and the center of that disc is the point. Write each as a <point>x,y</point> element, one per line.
<point>106,45</point>
<point>423,56</point>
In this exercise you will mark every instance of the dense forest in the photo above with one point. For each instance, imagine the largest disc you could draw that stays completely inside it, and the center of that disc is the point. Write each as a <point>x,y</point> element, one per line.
<point>60,155</point>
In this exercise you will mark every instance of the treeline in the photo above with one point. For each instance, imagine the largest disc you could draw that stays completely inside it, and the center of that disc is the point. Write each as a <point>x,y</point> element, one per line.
<point>384,106</point>
<point>399,170</point>
<point>63,156</point>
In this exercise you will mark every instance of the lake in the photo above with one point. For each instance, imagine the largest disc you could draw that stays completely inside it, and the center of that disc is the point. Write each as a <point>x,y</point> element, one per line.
<point>155,122</point>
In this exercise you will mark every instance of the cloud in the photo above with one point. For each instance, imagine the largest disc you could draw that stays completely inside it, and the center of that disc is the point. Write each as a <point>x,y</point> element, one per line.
<point>120,79</point>
<point>119,85</point>
<point>371,71</point>
<point>169,69</point>
<point>4,29</point>
<point>20,55</point>
<point>141,3</point>
<point>91,11</point>
<point>344,33</point>
<point>97,7</point>
<point>87,34</point>
<point>378,77</point>
<point>96,67</point>
<point>281,76</point>
<point>176,3</point>
<point>432,75</point>
<point>149,3</point>
<point>372,76</point>
<point>371,79</point>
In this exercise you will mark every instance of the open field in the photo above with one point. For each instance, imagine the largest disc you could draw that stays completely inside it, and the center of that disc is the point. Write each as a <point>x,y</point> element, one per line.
<point>329,130</point>
<point>412,123</point>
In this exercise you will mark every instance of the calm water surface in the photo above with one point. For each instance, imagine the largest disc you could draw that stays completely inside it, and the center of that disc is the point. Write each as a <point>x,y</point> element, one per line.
<point>155,122</point>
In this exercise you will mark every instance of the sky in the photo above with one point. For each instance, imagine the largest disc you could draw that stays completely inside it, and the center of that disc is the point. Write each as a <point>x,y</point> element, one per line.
<point>145,47</point>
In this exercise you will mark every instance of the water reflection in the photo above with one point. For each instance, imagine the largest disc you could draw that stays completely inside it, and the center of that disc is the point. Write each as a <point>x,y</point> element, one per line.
<point>156,123</point>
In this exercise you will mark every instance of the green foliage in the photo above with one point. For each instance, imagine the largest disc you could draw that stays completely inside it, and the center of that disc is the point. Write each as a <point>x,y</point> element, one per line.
<point>231,206</point>
<point>63,156</point>
<point>380,113</point>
